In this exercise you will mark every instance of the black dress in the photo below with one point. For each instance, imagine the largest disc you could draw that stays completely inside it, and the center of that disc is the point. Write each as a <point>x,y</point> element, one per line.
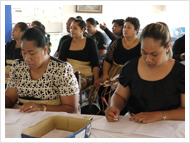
<point>179,48</point>
<point>101,42</point>
<point>11,53</point>
<point>147,96</point>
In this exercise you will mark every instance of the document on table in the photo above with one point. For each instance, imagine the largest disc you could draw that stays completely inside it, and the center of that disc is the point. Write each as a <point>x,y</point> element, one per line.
<point>30,119</point>
<point>121,126</point>
<point>12,117</point>
<point>159,129</point>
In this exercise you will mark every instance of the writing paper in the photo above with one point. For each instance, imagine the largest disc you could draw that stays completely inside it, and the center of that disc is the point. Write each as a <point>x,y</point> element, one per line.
<point>121,126</point>
<point>12,117</point>
<point>158,129</point>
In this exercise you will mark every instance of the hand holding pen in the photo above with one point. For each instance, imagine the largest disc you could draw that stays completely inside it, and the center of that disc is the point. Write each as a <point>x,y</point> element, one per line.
<point>111,113</point>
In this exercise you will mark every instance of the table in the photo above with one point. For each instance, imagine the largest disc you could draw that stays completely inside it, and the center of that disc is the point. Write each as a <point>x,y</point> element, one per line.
<point>14,126</point>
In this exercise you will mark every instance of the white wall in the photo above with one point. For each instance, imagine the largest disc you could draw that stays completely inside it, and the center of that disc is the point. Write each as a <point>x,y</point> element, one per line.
<point>172,13</point>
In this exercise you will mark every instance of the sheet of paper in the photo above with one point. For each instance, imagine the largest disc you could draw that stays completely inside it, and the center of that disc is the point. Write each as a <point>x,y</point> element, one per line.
<point>29,120</point>
<point>121,126</point>
<point>158,129</point>
<point>57,134</point>
<point>12,116</point>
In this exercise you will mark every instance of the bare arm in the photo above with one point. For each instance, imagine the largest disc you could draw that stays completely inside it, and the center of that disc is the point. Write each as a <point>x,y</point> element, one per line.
<point>118,102</point>
<point>68,104</point>
<point>102,52</point>
<point>11,97</point>
<point>106,68</point>
<point>175,114</point>
<point>96,76</point>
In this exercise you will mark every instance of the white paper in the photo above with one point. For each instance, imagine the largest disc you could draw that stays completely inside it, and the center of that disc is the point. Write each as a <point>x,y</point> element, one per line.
<point>12,116</point>
<point>33,118</point>
<point>158,129</point>
<point>121,126</point>
<point>57,134</point>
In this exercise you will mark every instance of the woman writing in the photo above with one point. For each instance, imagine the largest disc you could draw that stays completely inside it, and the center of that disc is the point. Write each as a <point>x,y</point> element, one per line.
<point>121,51</point>
<point>153,86</point>
<point>81,52</point>
<point>40,82</point>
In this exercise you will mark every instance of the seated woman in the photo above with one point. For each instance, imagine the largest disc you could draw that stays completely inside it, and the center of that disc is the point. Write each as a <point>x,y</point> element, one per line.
<point>81,52</point>
<point>117,29</point>
<point>13,48</point>
<point>47,36</point>
<point>99,38</point>
<point>153,85</point>
<point>65,37</point>
<point>121,51</point>
<point>40,82</point>
<point>179,49</point>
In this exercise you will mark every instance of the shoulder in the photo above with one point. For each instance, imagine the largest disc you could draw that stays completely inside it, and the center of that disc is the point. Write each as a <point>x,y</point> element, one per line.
<point>59,63</point>
<point>89,39</point>
<point>178,69</point>
<point>131,64</point>
<point>18,63</point>
<point>65,37</point>
<point>12,42</point>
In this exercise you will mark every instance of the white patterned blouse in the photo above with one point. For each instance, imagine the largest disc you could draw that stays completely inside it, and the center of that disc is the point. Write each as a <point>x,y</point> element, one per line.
<point>58,80</point>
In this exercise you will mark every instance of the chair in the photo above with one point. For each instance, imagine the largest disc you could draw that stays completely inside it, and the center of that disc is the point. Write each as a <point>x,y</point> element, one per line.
<point>78,77</point>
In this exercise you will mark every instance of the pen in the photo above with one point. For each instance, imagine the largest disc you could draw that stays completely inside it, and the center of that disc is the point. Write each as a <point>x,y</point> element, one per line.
<point>116,119</point>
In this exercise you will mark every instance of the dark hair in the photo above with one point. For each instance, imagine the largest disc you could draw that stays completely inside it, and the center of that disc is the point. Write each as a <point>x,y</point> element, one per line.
<point>72,18</point>
<point>120,22</point>
<point>35,34</point>
<point>157,31</point>
<point>23,26</point>
<point>79,17</point>
<point>81,23</point>
<point>39,24</point>
<point>92,21</point>
<point>134,21</point>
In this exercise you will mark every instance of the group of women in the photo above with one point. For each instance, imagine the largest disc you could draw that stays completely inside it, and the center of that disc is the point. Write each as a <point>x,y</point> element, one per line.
<point>151,87</point>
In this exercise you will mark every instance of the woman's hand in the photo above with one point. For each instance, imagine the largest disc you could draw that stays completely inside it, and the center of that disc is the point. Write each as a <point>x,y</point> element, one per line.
<point>96,82</point>
<point>104,78</point>
<point>147,117</point>
<point>112,115</point>
<point>31,107</point>
<point>103,26</point>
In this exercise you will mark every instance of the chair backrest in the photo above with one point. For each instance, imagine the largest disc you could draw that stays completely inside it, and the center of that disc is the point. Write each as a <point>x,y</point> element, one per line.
<point>78,76</point>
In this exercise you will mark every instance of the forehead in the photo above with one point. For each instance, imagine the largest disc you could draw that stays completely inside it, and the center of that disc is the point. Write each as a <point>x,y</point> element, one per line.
<point>16,26</point>
<point>128,24</point>
<point>74,23</point>
<point>115,23</point>
<point>150,43</point>
<point>28,45</point>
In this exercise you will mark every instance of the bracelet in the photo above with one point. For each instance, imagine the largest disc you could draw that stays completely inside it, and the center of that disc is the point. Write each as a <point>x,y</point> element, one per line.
<point>164,116</point>
<point>44,108</point>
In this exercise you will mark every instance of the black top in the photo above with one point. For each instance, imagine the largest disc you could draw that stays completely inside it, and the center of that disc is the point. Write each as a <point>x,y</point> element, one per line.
<point>119,54</point>
<point>11,53</point>
<point>100,40</point>
<point>89,53</point>
<point>62,39</point>
<point>147,96</point>
<point>179,47</point>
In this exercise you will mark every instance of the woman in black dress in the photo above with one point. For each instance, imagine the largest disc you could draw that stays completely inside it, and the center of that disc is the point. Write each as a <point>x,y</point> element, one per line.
<point>121,51</point>
<point>153,86</point>
<point>13,47</point>
<point>99,38</point>
<point>81,52</point>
